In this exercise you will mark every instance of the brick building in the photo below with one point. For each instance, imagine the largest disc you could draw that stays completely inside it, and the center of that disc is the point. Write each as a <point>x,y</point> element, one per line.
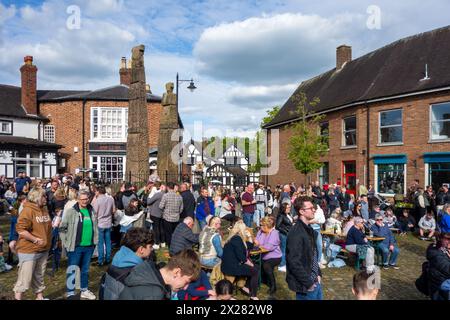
<point>387,115</point>
<point>90,127</point>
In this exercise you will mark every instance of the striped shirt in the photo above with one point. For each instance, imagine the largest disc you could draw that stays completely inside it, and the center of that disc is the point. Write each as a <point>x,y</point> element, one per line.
<point>172,206</point>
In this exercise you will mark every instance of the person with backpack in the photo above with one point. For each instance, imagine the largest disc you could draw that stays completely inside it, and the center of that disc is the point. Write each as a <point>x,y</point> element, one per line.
<point>132,276</point>
<point>136,247</point>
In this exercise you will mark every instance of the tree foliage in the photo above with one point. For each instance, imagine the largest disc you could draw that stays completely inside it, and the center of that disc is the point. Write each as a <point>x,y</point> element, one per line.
<point>270,115</point>
<point>306,145</point>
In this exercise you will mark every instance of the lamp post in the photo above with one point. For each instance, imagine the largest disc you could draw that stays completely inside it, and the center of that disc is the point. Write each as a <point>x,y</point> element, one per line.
<point>191,87</point>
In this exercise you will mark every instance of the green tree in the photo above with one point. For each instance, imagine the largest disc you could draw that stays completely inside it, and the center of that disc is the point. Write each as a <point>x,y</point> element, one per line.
<point>270,115</point>
<point>306,145</point>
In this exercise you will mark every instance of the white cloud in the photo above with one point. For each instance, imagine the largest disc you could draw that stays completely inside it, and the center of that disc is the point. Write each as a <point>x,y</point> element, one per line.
<point>100,7</point>
<point>272,49</point>
<point>257,97</point>
<point>6,13</point>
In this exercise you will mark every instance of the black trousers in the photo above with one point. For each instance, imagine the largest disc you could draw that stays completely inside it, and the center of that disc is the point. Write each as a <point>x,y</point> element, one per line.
<point>169,228</point>
<point>268,275</point>
<point>252,281</point>
<point>158,231</point>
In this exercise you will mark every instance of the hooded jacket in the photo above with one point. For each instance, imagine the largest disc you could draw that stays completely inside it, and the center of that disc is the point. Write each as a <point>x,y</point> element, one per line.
<point>144,283</point>
<point>123,263</point>
<point>36,221</point>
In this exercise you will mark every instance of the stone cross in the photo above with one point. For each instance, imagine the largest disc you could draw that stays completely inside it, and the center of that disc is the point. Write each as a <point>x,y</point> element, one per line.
<point>137,164</point>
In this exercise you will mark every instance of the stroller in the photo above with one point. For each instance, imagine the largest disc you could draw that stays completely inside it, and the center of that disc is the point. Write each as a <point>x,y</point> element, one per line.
<point>379,200</point>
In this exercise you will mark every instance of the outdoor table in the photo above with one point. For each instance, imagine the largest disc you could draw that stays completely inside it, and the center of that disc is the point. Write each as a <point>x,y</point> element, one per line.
<point>331,233</point>
<point>256,257</point>
<point>395,230</point>
<point>375,239</point>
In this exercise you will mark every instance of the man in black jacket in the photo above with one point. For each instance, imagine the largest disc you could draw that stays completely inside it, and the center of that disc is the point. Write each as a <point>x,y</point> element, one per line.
<point>188,201</point>
<point>303,272</point>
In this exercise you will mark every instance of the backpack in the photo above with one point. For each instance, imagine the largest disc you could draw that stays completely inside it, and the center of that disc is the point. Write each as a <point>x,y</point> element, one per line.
<point>110,287</point>
<point>422,282</point>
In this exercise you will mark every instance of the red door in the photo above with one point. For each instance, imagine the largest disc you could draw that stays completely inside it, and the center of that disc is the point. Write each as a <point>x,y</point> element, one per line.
<point>349,176</point>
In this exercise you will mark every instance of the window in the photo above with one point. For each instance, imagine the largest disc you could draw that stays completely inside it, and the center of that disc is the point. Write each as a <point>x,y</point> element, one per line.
<point>5,127</point>
<point>109,123</point>
<point>324,174</point>
<point>349,134</point>
<point>440,121</point>
<point>439,173</point>
<point>49,133</point>
<point>324,132</point>
<point>108,168</point>
<point>391,126</point>
<point>391,178</point>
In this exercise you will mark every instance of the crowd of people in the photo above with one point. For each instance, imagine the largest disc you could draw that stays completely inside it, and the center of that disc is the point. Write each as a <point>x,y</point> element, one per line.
<point>213,237</point>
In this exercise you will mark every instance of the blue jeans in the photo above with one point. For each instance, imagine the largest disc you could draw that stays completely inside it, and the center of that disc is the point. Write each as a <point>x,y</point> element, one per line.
<point>55,250</point>
<point>80,258</point>
<point>316,294</point>
<point>259,213</point>
<point>210,262</point>
<point>104,240</point>
<point>248,219</point>
<point>385,252</point>
<point>283,239</point>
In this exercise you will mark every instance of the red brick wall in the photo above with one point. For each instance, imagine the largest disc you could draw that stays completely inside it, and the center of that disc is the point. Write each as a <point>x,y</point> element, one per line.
<point>29,87</point>
<point>416,129</point>
<point>67,119</point>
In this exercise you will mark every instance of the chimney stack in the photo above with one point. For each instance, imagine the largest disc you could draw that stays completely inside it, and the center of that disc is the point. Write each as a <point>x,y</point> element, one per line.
<point>29,85</point>
<point>125,72</point>
<point>343,55</point>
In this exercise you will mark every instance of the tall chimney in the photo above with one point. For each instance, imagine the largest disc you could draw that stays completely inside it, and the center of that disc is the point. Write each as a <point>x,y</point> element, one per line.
<point>343,55</point>
<point>125,72</point>
<point>29,87</point>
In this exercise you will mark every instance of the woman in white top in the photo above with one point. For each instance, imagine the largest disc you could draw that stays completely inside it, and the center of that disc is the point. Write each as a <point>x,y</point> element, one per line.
<point>217,202</point>
<point>226,209</point>
<point>316,224</point>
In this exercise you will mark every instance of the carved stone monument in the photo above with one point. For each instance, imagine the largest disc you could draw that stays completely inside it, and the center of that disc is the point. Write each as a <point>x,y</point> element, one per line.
<point>137,166</point>
<point>167,168</point>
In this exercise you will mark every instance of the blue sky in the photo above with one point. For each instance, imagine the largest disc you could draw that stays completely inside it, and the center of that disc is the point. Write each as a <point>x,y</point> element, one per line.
<point>245,56</point>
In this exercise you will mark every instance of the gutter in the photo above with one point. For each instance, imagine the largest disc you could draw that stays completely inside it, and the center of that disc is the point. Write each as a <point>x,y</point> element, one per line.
<point>360,103</point>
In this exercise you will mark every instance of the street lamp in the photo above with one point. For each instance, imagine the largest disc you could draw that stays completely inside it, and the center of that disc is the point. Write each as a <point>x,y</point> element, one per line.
<point>191,87</point>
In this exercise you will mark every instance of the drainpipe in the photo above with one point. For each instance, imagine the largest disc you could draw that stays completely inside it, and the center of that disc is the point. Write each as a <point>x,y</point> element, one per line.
<point>368,146</point>
<point>83,112</point>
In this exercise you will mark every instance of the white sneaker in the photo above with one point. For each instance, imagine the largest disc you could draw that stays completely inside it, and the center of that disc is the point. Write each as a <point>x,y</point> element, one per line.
<point>87,295</point>
<point>155,246</point>
<point>8,267</point>
<point>322,266</point>
<point>163,245</point>
<point>282,269</point>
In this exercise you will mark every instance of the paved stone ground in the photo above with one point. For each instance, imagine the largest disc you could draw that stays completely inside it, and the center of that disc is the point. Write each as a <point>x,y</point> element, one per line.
<point>395,284</point>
